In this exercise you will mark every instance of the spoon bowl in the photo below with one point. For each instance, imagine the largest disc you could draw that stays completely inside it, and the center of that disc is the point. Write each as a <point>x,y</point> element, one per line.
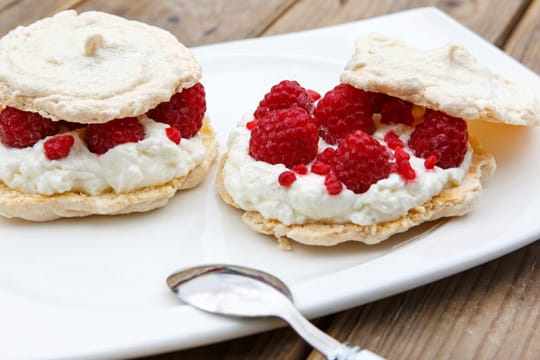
<point>229,290</point>
<point>240,291</point>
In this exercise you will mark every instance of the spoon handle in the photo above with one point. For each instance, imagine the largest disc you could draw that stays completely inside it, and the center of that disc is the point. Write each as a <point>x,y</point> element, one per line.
<point>325,344</point>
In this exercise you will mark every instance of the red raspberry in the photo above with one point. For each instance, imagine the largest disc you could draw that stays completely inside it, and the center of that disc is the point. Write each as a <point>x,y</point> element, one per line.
<point>102,137</point>
<point>326,155</point>
<point>360,161</point>
<point>320,168</point>
<point>343,110</point>
<point>332,184</point>
<point>20,129</point>
<point>251,124</point>
<point>404,168</point>
<point>71,125</point>
<point>397,112</point>
<point>392,140</point>
<point>402,165</point>
<point>378,100</point>
<point>173,134</point>
<point>442,136</point>
<point>401,154</point>
<point>300,169</point>
<point>313,95</point>
<point>286,178</point>
<point>58,147</point>
<point>287,94</point>
<point>430,162</point>
<point>184,111</point>
<point>286,136</point>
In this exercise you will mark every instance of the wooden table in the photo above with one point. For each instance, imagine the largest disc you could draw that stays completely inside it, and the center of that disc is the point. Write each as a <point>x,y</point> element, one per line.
<point>489,312</point>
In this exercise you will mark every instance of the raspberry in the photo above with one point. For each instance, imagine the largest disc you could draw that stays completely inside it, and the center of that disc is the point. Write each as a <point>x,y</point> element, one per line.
<point>342,110</point>
<point>102,137</point>
<point>173,134</point>
<point>286,178</point>
<point>71,125</point>
<point>20,129</point>
<point>360,161</point>
<point>397,112</point>
<point>401,154</point>
<point>286,136</point>
<point>320,168</point>
<point>313,95</point>
<point>404,168</point>
<point>285,95</point>
<point>251,124</point>
<point>406,171</point>
<point>332,184</point>
<point>393,140</point>
<point>58,147</point>
<point>184,111</point>
<point>442,136</point>
<point>300,169</point>
<point>402,165</point>
<point>378,100</point>
<point>430,162</point>
<point>326,155</point>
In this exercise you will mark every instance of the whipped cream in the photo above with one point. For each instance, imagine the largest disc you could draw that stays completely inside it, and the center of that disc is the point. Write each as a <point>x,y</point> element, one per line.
<point>154,160</point>
<point>253,185</point>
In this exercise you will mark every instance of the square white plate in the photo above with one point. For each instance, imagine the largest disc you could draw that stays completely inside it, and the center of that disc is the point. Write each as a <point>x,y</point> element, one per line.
<point>95,287</point>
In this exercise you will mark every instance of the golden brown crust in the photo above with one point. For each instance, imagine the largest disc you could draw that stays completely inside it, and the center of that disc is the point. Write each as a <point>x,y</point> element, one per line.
<point>455,201</point>
<point>38,207</point>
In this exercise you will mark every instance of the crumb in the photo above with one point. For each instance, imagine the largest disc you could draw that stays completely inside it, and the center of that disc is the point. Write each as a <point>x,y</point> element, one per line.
<point>284,243</point>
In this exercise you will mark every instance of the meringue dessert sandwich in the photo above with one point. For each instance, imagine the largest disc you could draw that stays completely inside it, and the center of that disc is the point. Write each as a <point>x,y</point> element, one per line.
<point>385,150</point>
<point>98,115</point>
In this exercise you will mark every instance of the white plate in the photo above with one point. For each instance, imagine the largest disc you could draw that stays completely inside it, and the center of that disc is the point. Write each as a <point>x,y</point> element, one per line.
<point>95,287</point>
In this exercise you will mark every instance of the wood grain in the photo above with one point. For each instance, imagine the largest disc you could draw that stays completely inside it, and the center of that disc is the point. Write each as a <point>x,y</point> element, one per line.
<point>194,22</point>
<point>6,3</point>
<point>478,314</point>
<point>23,12</point>
<point>524,43</point>
<point>491,19</point>
<point>278,344</point>
<point>197,22</point>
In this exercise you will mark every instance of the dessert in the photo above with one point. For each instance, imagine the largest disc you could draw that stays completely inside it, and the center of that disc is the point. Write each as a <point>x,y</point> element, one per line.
<point>98,115</point>
<point>385,150</point>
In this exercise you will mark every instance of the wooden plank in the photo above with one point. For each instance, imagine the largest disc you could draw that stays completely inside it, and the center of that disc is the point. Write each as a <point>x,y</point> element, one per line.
<point>198,22</point>
<point>489,18</point>
<point>23,12</point>
<point>193,22</point>
<point>6,3</point>
<point>524,43</point>
<point>489,312</point>
<point>278,344</point>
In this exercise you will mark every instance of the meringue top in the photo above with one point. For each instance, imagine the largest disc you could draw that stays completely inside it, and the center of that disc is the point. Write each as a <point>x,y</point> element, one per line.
<point>92,67</point>
<point>447,79</point>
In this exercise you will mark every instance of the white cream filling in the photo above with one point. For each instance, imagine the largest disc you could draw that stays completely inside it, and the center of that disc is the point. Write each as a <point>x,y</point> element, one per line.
<point>126,167</point>
<point>254,186</point>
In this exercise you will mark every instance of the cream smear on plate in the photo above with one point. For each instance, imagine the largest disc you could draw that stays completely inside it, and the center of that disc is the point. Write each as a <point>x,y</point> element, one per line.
<point>254,186</point>
<point>126,167</point>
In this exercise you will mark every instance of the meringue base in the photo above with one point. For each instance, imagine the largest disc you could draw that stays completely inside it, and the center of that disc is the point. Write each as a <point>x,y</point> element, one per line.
<point>36,207</point>
<point>454,201</point>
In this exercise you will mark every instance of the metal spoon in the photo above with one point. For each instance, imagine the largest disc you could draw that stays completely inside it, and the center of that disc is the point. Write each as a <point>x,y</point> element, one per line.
<point>240,291</point>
